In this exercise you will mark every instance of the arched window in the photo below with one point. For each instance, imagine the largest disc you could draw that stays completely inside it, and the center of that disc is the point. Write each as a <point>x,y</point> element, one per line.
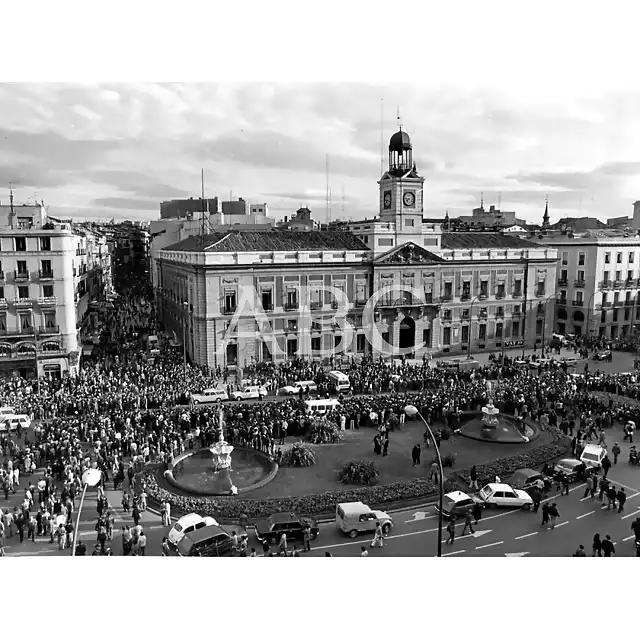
<point>578,316</point>
<point>562,314</point>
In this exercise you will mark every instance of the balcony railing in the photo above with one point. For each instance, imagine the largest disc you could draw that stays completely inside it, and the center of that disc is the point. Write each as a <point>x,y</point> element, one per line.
<point>229,310</point>
<point>447,297</point>
<point>606,284</point>
<point>517,294</point>
<point>483,296</point>
<point>290,306</point>
<point>606,305</point>
<point>516,314</point>
<point>500,295</point>
<point>46,274</point>
<point>563,282</point>
<point>23,302</point>
<point>618,284</point>
<point>361,303</point>
<point>48,301</point>
<point>21,276</point>
<point>562,302</point>
<point>465,297</point>
<point>540,294</point>
<point>49,331</point>
<point>315,304</point>
<point>629,303</point>
<point>499,314</point>
<point>27,331</point>
<point>577,303</point>
<point>579,284</point>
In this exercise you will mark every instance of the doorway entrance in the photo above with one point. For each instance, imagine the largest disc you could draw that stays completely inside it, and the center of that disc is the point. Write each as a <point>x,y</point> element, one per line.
<point>407,333</point>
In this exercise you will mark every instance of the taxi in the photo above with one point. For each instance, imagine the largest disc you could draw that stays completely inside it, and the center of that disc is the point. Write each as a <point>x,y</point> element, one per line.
<point>187,524</point>
<point>497,495</point>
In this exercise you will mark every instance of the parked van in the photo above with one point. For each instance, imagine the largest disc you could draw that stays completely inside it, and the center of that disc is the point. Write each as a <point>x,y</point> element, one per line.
<point>208,396</point>
<point>11,422</point>
<point>249,393</point>
<point>152,342</point>
<point>321,407</point>
<point>353,518</point>
<point>340,380</point>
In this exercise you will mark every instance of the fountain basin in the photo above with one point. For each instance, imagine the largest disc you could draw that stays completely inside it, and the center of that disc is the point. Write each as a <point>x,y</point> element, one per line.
<point>505,431</point>
<point>194,473</point>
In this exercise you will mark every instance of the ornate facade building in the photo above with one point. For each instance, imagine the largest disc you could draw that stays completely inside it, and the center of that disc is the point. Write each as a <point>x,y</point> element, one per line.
<point>395,284</point>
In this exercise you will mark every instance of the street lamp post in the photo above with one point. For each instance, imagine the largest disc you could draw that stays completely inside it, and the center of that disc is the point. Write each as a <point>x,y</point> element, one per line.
<point>544,323</point>
<point>412,412</point>
<point>184,339</point>
<point>470,325</point>
<point>90,478</point>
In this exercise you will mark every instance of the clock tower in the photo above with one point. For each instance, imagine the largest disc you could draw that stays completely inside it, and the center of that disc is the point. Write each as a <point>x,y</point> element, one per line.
<point>401,190</point>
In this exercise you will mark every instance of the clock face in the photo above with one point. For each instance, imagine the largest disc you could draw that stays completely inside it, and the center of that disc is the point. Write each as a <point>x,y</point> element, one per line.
<point>387,199</point>
<point>409,199</point>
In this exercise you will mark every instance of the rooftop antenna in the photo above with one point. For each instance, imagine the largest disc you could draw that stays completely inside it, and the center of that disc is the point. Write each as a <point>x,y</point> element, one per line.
<point>328,210</point>
<point>482,199</point>
<point>202,206</point>
<point>381,136</point>
<point>11,198</point>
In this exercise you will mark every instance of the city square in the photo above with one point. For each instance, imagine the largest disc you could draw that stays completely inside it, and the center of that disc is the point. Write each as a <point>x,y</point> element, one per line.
<point>214,382</point>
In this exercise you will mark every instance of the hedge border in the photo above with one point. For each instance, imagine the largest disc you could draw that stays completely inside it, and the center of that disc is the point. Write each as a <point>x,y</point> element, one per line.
<point>230,508</point>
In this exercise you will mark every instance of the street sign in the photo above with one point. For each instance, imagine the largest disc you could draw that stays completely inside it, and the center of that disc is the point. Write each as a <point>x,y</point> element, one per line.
<point>517,555</point>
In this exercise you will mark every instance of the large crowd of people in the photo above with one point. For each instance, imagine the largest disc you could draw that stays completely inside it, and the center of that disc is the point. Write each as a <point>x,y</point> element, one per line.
<point>126,408</point>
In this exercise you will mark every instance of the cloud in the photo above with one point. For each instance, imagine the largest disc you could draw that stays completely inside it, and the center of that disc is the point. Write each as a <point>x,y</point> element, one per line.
<point>580,180</point>
<point>140,184</point>
<point>126,203</point>
<point>277,150</point>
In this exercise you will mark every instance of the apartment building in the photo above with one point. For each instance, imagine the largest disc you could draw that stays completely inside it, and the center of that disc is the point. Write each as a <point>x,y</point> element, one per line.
<point>598,282</point>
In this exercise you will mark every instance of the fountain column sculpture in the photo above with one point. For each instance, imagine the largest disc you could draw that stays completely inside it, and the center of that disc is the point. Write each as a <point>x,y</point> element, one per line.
<point>490,413</point>
<point>221,452</point>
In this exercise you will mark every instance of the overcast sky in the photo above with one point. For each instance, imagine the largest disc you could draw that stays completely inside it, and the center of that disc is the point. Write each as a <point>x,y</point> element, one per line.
<point>480,119</point>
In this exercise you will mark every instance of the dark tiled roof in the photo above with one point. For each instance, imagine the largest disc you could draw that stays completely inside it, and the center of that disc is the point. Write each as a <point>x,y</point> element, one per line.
<point>484,241</point>
<point>239,241</point>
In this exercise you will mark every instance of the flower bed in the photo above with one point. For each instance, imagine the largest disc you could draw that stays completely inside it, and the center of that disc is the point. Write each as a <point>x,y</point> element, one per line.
<point>230,508</point>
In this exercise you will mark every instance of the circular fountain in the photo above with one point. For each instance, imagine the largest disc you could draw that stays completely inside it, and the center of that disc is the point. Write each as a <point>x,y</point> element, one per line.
<point>211,471</point>
<point>494,426</point>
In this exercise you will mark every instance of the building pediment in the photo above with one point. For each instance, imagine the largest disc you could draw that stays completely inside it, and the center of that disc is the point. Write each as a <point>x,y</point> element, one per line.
<point>408,253</point>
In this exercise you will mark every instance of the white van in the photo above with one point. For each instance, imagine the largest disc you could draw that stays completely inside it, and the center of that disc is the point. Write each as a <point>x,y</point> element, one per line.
<point>353,518</point>
<point>7,411</point>
<point>249,393</point>
<point>11,422</point>
<point>592,456</point>
<point>209,396</point>
<point>321,407</point>
<point>341,380</point>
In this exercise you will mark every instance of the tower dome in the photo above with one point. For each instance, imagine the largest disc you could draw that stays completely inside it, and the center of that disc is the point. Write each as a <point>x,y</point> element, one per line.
<point>400,142</point>
<point>400,153</point>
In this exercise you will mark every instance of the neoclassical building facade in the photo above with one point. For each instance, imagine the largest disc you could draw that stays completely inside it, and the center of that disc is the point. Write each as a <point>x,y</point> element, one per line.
<point>392,285</point>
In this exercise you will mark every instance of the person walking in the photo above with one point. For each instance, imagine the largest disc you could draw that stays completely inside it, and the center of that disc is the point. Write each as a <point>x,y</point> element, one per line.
<point>597,546</point>
<point>451,530</point>
<point>615,450</point>
<point>545,515</point>
<point>468,522</point>
<point>473,474</point>
<point>606,465</point>
<point>611,497</point>
<point>306,533</point>
<point>415,455</point>
<point>579,553</point>
<point>477,512</point>
<point>554,514</point>
<point>363,552</point>
<point>607,547</point>
<point>621,496</point>
<point>588,489</point>
<point>378,536</point>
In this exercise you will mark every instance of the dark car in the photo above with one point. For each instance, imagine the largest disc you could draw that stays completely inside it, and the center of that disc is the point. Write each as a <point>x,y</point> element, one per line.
<point>527,479</point>
<point>602,355</point>
<point>293,525</point>
<point>209,541</point>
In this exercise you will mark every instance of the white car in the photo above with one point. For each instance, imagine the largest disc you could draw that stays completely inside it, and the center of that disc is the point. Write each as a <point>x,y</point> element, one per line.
<point>209,396</point>
<point>294,389</point>
<point>249,393</point>
<point>187,524</point>
<point>11,422</point>
<point>503,495</point>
